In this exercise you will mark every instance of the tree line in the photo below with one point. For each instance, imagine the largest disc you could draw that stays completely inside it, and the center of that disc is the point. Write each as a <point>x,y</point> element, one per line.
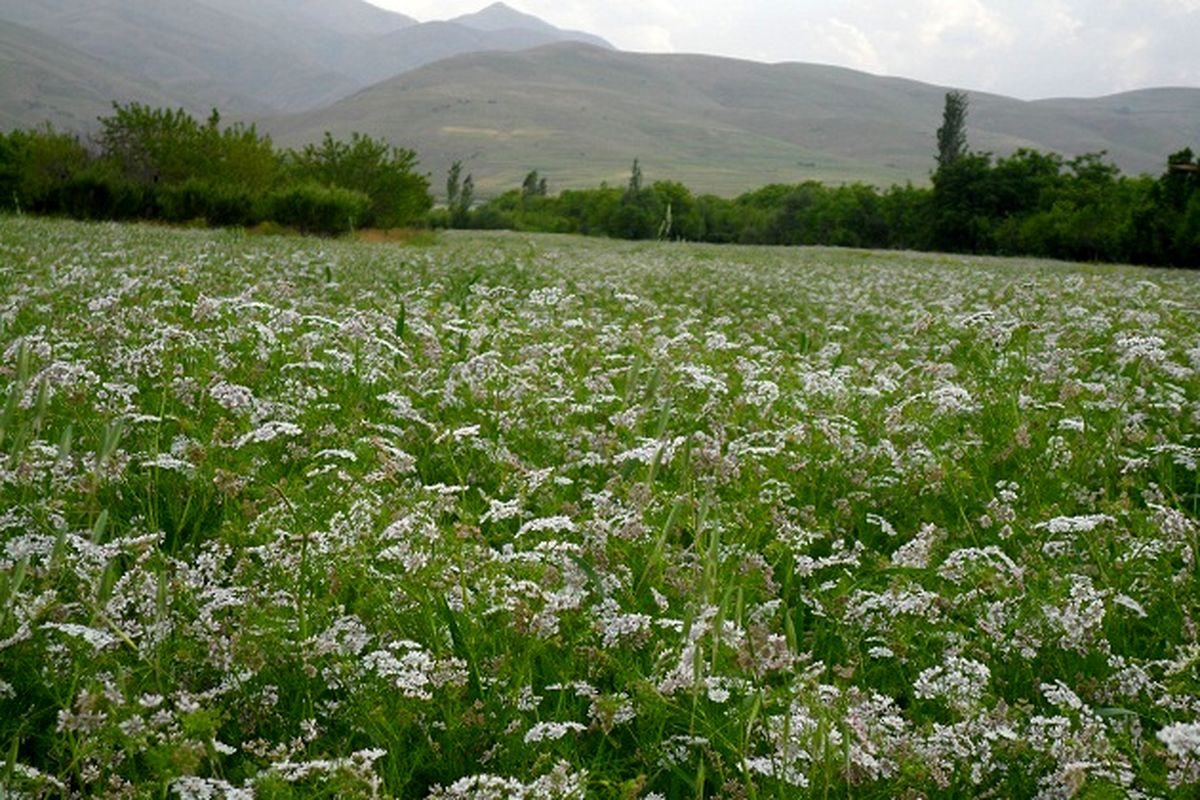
<point>1029,203</point>
<point>148,163</point>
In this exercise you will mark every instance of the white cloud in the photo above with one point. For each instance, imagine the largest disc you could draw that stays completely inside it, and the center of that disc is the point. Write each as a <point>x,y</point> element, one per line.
<point>855,47</point>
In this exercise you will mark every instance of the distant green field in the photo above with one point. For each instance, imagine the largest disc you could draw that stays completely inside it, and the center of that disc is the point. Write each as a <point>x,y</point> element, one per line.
<point>515,516</point>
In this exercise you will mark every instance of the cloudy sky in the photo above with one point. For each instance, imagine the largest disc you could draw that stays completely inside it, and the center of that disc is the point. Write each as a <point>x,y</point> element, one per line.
<point>1024,48</point>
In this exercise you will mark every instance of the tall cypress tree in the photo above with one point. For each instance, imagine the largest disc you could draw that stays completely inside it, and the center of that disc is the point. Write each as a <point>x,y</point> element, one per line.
<point>952,136</point>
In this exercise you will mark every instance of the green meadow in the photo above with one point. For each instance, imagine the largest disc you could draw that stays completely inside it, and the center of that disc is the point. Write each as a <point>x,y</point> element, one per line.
<point>525,516</point>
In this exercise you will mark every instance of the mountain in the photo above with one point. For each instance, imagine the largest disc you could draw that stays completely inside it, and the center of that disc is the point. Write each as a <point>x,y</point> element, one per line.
<point>198,52</point>
<point>355,18</point>
<point>506,92</point>
<point>397,52</point>
<point>254,57</point>
<point>500,17</point>
<point>44,80</point>
<point>581,114</point>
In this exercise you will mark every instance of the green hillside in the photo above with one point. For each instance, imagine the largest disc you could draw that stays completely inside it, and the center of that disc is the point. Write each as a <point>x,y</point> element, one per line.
<point>385,56</point>
<point>43,80</point>
<point>263,57</point>
<point>197,52</point>
<point>581,114</point>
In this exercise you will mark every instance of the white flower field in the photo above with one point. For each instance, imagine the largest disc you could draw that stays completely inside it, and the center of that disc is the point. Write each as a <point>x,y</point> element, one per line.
<point>534,517</point>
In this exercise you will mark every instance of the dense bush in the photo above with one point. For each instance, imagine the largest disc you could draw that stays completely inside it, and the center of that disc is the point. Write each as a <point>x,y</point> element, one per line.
<point>35,163</point>
<point>313,208</point>
<point>385,174</point>
<point>98,192</point>
<point>215,203</point>
<point>164,164</point>
<point>164,147</point>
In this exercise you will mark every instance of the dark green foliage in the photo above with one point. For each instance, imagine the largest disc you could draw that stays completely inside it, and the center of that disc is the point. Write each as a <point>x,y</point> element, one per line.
<point>1029,203</point>
<point>164,147</point>
<point>215,203</point>
<point>164,164</point>
<point>98,192</point>
<point>313,208</point>
<point>385,174</point>
<point>952,136</point>
<point>962,204</point>
<point>10,181</point>
<point>453,184</point>
<point>1164,225</point>
<point>40,161</point>
<point>534,185</point>
<point>466,199</point>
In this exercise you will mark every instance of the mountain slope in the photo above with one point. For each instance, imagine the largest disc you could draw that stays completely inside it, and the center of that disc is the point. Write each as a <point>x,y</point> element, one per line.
<point>197,52</point>
<point>249,57</point>
<point>43,80</point>
<point>581,114</point>
<point>355,18</point>
<point>397,52</point>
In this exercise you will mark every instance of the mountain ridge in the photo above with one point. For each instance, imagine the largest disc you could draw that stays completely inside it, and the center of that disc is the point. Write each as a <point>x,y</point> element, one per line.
<point>36,71</point>
<point>581,114</point>
<point>254,58</point>
<point>500,16</point>
<point>506,92</point>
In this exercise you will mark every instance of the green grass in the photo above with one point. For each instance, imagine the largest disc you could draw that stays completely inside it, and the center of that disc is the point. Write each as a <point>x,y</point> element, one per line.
<point>516,516</point>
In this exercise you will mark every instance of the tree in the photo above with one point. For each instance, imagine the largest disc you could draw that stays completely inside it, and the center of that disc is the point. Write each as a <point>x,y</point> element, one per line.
<point>453,184</point>
<point>952,136</point>
<point>962,205</point>
<point>1165,228</point>
<point>533,186</point>
<point>383,173</point>
<point>460,212</point>
<point>635,182</point>
<point>155,146</point>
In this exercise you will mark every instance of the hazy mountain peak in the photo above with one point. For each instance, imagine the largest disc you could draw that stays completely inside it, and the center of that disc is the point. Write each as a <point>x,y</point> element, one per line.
<point>501,17</point>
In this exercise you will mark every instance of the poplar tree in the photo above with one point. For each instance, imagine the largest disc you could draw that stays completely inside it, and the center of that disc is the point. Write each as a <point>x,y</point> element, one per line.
<point>952,136</point>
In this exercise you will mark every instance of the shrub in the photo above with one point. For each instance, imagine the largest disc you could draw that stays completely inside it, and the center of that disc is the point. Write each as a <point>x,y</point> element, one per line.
<point>313,208</point>
<point>217,204</point>
<point>161,146</point>
<point>397,195</point>
<point>37,163</point>
<point>98,192</point>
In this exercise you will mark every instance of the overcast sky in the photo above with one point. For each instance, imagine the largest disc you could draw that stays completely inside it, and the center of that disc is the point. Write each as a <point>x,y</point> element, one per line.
<point>1024,48</point>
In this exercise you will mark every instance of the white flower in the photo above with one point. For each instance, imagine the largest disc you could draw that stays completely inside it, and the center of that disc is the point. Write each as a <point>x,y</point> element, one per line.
<point>916,552</point>
<point>98,639</point>
<point>267,432</point>
<point>501,510</point>
<point>1181,738</point>
<point>170,463</point>
<point>962,682</point>
<point>1079,524</point>
<point>551,731</point>
<point>557,524</point>
<point>232,397</point>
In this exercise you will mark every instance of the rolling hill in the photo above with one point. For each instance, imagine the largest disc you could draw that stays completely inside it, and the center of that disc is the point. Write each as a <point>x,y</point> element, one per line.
<point>581,114</point>
<point>197,52</point>
<point>386,56</point>
<point>44,80</point>
<point>506,92</point>
<point>254,58</point>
